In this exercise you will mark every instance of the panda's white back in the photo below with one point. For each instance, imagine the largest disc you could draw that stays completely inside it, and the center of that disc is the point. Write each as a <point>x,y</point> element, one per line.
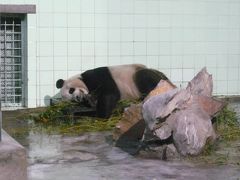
<point>123,76</point>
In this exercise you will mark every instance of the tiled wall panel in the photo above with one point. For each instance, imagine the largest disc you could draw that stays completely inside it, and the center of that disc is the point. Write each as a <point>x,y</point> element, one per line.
<point>178,37</point>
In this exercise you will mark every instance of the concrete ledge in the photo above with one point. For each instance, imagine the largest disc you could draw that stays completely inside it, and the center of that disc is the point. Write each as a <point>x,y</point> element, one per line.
<point>20,8</point>
<point>13,160</point>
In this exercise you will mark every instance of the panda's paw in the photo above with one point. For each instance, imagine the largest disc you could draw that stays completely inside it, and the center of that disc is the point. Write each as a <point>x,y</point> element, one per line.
<point>89,101</point>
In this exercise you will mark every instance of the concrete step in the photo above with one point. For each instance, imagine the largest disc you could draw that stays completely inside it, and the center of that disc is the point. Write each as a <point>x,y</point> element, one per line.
<point>13,159</point>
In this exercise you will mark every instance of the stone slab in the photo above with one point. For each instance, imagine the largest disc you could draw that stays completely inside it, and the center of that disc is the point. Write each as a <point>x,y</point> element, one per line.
<point>13,159</point>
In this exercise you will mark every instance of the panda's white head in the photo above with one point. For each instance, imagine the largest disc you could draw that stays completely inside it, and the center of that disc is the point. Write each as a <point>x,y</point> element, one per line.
<point>72,88</point>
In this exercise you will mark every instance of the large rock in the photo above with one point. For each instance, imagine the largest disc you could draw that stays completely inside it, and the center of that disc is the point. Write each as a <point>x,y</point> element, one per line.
<point>160,96</point>
<point>131,123</point>
<point>129,131</point>
<point>201,84</point>
<point>191,129</point>
<point>185,114</point>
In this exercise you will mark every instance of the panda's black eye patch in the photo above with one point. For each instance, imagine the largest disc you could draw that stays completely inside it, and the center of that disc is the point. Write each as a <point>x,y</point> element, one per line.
<point>71,90</point>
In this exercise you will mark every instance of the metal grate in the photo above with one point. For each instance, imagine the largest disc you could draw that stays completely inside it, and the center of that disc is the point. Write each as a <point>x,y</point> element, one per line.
<point>11,68</point>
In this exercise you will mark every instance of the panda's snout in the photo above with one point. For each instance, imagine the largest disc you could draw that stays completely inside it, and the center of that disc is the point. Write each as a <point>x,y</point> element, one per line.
<point>78,95</point>
<point>78,98</point>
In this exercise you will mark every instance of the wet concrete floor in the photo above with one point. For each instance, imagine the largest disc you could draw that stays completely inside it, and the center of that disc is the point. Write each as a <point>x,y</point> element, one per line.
<point>91,156</point>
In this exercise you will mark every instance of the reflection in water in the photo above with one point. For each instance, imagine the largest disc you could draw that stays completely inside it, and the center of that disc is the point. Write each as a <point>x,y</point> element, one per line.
<point>43,147</point>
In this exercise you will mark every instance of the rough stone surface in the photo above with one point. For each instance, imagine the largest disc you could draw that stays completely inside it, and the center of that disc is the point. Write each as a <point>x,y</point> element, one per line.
<point>162,87</point>
<point>155,105</point>
<point>165,152</point>
<point>185,114</point>
<point>132,117</point>
<point>13,161</point>
<point>129,131</point>
<point>201,84</point>
<point>191,129</point>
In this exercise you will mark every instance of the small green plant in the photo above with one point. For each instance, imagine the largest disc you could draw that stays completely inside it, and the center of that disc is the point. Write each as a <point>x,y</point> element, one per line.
<point>227,125</point>
<point>56,114</point>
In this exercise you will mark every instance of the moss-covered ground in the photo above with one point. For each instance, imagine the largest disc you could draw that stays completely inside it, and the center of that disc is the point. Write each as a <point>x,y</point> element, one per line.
<point>57,120</point>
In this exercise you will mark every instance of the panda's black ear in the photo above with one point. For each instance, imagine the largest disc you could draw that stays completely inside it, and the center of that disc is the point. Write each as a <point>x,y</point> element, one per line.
<point>59,83</point>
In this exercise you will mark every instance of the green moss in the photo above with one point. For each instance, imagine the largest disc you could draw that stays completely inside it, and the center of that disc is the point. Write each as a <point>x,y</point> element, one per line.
<point>56,114</point>
<point>59,119</point>
<point>227,125</point>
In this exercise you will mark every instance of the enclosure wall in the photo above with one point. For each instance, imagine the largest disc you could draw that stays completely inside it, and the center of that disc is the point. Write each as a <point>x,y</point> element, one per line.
<point>178,37</point>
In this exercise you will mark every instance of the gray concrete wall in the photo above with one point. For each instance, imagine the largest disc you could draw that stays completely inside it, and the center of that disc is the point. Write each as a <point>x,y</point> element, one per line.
<point>13,160</point>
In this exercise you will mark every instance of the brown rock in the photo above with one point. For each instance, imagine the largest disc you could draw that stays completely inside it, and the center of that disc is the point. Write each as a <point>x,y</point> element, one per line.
<point>131,126</point>
<point>162,87</point>
<point>210,105</point>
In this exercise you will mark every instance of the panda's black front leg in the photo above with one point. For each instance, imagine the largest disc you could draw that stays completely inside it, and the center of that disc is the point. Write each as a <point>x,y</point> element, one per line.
<point>106,104</point>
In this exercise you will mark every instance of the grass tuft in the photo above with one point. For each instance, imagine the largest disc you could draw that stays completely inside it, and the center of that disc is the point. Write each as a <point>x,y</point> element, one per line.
<point>58,117</point>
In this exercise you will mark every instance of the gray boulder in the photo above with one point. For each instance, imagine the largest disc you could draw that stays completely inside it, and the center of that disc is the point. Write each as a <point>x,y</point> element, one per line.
<point>185,114</point>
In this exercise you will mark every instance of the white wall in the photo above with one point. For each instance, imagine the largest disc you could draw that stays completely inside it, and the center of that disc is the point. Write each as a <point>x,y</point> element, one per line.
<point>178,37</point>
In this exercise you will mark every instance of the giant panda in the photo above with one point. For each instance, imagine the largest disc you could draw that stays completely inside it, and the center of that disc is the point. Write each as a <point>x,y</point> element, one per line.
<point>109,85</point>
